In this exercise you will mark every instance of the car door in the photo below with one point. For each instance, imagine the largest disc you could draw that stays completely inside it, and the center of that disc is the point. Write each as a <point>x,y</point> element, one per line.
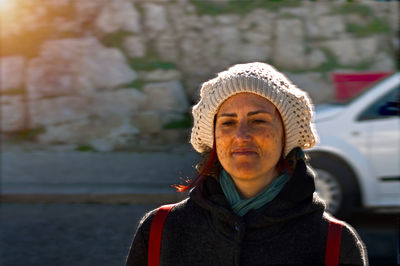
<point>382,119</point>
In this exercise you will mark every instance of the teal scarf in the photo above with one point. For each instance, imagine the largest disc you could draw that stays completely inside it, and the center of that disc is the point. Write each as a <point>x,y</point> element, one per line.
<point>241,206</point>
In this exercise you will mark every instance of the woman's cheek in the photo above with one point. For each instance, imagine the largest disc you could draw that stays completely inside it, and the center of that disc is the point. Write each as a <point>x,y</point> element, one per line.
<point>221,148</point>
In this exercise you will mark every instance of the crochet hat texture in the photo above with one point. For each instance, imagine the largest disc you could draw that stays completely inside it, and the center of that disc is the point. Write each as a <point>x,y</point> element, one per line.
<point>293,104</point>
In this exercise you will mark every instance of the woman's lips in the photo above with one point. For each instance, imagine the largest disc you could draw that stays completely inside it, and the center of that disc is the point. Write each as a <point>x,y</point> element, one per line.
<point>243,153</point>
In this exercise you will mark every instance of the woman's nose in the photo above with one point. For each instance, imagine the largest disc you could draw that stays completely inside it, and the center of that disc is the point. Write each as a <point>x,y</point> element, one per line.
<point>242,132</point>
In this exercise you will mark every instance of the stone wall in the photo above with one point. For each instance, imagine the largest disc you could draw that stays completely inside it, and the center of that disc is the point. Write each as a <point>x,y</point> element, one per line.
<point>112,74</point>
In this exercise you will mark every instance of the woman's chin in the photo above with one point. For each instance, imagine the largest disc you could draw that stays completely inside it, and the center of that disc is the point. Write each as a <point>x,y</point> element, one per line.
<point>244,171</point>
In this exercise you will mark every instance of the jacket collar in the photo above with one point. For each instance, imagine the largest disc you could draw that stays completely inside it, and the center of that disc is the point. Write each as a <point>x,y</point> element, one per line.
<point>296,199</point>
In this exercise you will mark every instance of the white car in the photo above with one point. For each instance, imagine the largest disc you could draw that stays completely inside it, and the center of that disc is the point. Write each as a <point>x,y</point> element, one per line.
<point>358,158</point>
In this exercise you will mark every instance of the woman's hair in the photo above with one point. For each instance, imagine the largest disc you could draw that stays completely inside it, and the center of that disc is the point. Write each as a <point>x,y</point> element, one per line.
<point>207,165</point>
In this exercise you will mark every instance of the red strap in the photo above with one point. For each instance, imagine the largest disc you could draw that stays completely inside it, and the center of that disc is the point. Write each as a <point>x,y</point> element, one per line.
<point>157,224</point>
<point>333,242</point>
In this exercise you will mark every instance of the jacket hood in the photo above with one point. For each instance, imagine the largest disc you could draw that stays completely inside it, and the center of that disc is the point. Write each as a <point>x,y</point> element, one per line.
<point>296,199</point>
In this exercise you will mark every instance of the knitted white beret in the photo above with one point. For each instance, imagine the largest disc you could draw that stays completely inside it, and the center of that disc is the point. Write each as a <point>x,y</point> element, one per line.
<point>293,104</point>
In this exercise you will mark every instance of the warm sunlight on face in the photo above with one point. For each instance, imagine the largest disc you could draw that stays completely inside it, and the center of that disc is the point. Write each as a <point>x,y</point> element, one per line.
<point>249,136</point>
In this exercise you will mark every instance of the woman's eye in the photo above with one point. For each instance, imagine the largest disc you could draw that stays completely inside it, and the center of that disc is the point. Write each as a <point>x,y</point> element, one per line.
<point>227,123</point>
<point>259,121</point>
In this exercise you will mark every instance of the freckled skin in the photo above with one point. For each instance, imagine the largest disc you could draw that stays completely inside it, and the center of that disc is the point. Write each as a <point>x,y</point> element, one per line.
<point>249,141</point>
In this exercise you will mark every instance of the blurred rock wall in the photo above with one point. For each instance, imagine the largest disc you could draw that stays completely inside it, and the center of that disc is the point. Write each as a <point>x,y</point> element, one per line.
<point>112,74</point>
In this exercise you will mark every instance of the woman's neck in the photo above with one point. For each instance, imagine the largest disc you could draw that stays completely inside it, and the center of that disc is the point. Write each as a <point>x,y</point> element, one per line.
<point>250,187</point>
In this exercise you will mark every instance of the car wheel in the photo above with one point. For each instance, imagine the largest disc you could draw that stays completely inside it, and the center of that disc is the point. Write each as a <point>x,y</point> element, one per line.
<point>335,184</point>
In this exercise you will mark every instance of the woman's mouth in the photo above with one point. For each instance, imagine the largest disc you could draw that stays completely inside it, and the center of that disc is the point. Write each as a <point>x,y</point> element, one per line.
<point>243,153</point>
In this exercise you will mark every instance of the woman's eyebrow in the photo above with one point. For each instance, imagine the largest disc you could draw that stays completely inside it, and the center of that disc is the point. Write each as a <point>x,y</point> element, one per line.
<point>248,114</point>
<point>258,112</point>
<point>228,114</point>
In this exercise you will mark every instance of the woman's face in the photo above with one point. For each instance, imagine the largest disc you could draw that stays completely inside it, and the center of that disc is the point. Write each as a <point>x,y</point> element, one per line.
<point>249,137</point>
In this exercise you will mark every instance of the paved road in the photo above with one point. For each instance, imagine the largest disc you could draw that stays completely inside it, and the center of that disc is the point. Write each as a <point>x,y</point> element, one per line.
<point>88,173</point>
<point>380,233</point>
<point>95,234</point>
<point>67,234</point>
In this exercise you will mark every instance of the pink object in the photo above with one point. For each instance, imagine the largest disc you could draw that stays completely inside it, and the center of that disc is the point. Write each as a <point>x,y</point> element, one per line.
<point>348,85</point>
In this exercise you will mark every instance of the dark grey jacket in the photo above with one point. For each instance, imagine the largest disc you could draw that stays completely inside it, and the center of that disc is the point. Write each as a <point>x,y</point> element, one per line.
<point>203,230</point>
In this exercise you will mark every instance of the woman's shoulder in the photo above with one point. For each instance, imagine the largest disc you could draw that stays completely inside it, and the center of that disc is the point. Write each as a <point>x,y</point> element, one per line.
<point>138,252</point>
<point>348,231</point>
<point>353,249</point>
<point>177,209</point>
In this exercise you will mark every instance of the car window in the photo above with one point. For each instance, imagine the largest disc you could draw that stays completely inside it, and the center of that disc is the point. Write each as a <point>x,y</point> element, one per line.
<point>386,106</point>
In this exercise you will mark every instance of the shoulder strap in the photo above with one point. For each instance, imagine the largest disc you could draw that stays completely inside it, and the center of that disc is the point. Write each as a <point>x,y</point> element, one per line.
<point>333,242</point>
<point>157,224</point>
<point>153,258</point>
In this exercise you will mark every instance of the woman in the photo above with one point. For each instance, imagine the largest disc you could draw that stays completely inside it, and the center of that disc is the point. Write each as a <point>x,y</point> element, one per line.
<point>253,202</point>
